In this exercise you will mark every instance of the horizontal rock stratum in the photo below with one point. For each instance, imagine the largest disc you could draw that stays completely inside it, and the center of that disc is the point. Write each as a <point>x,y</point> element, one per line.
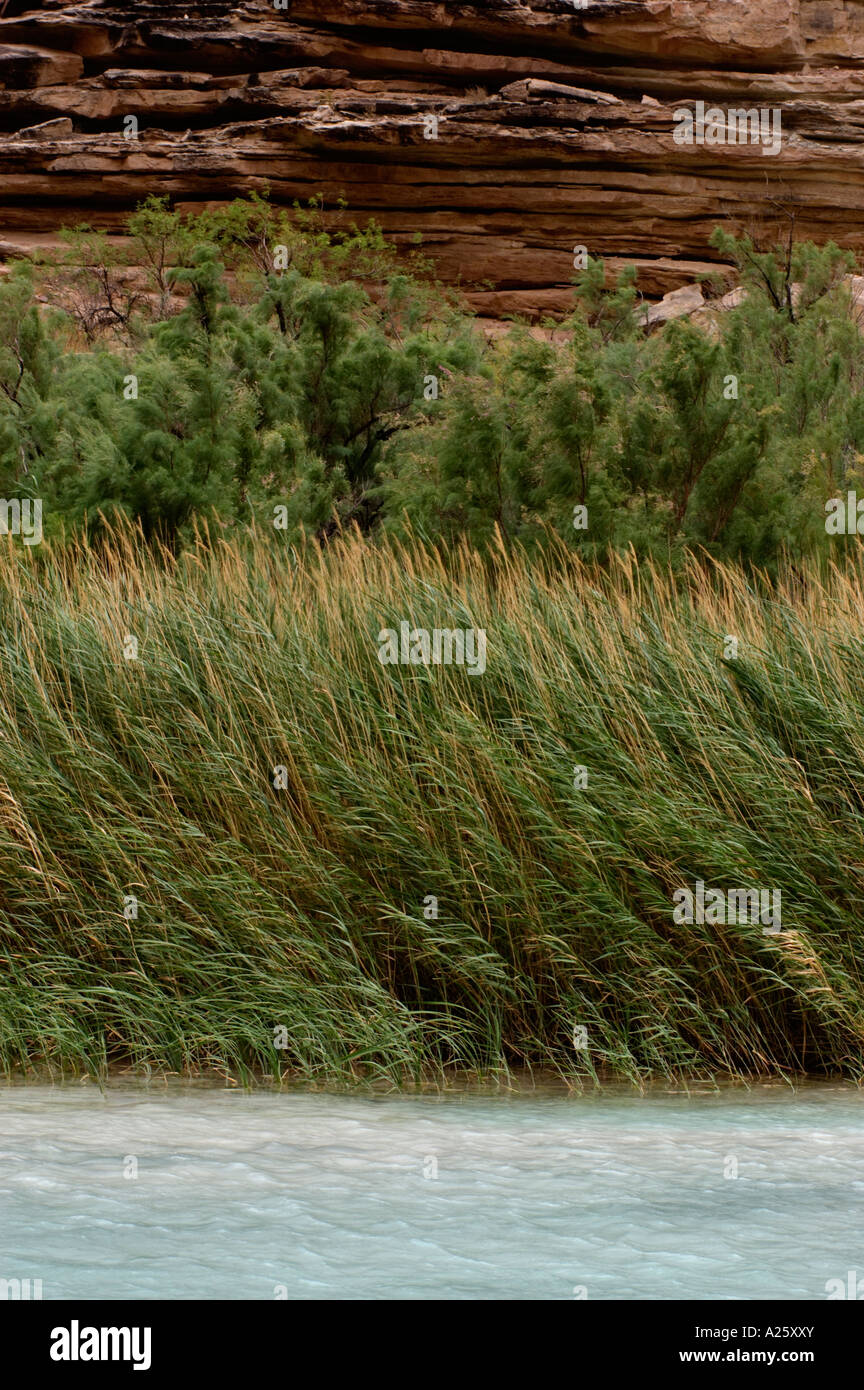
<point>554,124</point>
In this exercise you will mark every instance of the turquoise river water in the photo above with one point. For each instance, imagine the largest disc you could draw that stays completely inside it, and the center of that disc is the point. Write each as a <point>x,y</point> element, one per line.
<point>205,1193</point>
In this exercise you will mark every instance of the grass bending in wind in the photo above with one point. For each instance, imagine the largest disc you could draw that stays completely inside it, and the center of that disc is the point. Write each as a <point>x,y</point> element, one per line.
<point>302,908</point>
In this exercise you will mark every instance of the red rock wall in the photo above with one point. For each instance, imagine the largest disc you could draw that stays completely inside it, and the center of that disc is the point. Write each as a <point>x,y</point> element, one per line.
<point>555,123</point>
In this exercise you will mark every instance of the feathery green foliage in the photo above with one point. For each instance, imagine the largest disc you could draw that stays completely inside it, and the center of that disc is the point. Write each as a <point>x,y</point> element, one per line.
<point>249,365</point>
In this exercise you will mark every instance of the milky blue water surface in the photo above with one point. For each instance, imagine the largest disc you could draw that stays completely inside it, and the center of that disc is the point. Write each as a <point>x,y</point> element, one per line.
<point>253,1196</point>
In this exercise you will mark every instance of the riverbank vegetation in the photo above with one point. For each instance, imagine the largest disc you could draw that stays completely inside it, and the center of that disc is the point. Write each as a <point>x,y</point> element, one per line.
<point>233,839</point>
<point>249,365</point>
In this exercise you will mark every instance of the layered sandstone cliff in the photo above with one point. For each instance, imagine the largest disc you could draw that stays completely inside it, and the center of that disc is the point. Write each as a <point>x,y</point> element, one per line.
<point>554,123</point>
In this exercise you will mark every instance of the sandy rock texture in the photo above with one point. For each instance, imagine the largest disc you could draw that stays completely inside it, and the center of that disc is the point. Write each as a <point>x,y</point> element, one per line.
<point>506,133</point>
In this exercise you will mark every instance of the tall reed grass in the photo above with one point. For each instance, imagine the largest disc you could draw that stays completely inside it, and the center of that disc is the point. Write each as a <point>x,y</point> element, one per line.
<point>303,908</point>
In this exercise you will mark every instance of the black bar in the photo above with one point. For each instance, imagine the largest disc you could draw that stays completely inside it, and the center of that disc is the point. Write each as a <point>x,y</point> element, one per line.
<point>613,1338</point>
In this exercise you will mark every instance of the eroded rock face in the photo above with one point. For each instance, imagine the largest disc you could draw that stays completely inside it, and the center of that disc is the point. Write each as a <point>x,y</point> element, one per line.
<point>506,133</point>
